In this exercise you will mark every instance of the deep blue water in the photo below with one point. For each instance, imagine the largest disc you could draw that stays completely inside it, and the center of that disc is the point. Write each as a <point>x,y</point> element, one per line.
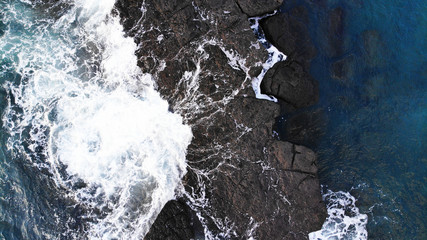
<point>374,111</point>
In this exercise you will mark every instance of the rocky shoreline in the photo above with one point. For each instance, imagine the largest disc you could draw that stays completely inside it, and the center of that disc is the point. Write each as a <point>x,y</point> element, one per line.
<point>241,182</point>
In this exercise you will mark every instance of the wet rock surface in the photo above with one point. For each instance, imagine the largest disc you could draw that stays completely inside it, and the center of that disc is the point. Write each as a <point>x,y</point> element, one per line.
<point>241,182</point>
<point>288,32</point>
<point>258,7</point>
<point>289,82</point>
<point>176,221</point>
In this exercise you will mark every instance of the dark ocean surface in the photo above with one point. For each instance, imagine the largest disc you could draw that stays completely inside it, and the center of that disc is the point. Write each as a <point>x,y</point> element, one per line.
<point>372,71</point>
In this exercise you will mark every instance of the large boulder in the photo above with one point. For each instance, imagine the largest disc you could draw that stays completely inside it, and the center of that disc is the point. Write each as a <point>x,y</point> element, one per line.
<point>299,167</point>
<point>289,82</point>
<point>288,32</point>
<point>335,32</point>
<point>302,127</point>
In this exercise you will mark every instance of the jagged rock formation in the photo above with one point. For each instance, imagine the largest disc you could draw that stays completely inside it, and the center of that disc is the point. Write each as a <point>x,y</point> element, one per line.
<point>288,32</point>
<point>289,82</point>
<point>175,221</point>
<point>240,182</point>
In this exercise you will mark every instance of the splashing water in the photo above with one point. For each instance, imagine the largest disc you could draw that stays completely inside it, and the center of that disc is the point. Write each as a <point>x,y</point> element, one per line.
<point>89,115</point>
<point>274,56</point>
<point>344,219</point>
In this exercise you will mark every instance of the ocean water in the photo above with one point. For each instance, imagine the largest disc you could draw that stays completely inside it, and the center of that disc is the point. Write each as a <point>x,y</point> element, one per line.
<point>88,148</point>
<point>372,71</point>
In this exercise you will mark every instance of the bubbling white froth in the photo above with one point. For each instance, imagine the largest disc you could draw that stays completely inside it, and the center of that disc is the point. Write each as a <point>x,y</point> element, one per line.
<point>344,221</point>
<point>112,130</point>
<point>274,56</point>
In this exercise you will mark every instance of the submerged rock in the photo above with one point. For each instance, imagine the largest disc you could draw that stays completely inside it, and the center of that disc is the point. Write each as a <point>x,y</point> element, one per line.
<point>303,128</point>
<point>240,181</point>
<point>175,221</point>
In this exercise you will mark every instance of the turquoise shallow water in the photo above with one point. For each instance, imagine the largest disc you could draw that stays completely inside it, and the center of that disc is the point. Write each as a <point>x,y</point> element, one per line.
<point>374,108</point>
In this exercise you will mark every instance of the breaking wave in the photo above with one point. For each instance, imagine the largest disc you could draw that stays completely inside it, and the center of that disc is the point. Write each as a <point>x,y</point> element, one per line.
<point>81,108</point>
<point>344,220</point>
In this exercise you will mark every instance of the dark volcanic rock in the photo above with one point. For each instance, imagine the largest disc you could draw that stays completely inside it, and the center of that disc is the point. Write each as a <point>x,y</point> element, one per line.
<point>175,222</point>
<point>273,183</point>
<point>130,12</point>
<point>299,165</point>
<point>303,128</point>
<point>289,82</point>
<point>258,7</point>
<point>240,181</point>
<point>288,32</point>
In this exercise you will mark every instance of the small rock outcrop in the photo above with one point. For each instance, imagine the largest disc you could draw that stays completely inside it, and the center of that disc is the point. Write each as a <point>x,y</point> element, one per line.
<point>288,32</point>
<point>303,127</point>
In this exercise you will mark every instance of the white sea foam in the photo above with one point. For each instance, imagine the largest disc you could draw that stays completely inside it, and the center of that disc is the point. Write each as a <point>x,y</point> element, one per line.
<point>96,116</point>
<point>344,221</point>
<point>274,56</point>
